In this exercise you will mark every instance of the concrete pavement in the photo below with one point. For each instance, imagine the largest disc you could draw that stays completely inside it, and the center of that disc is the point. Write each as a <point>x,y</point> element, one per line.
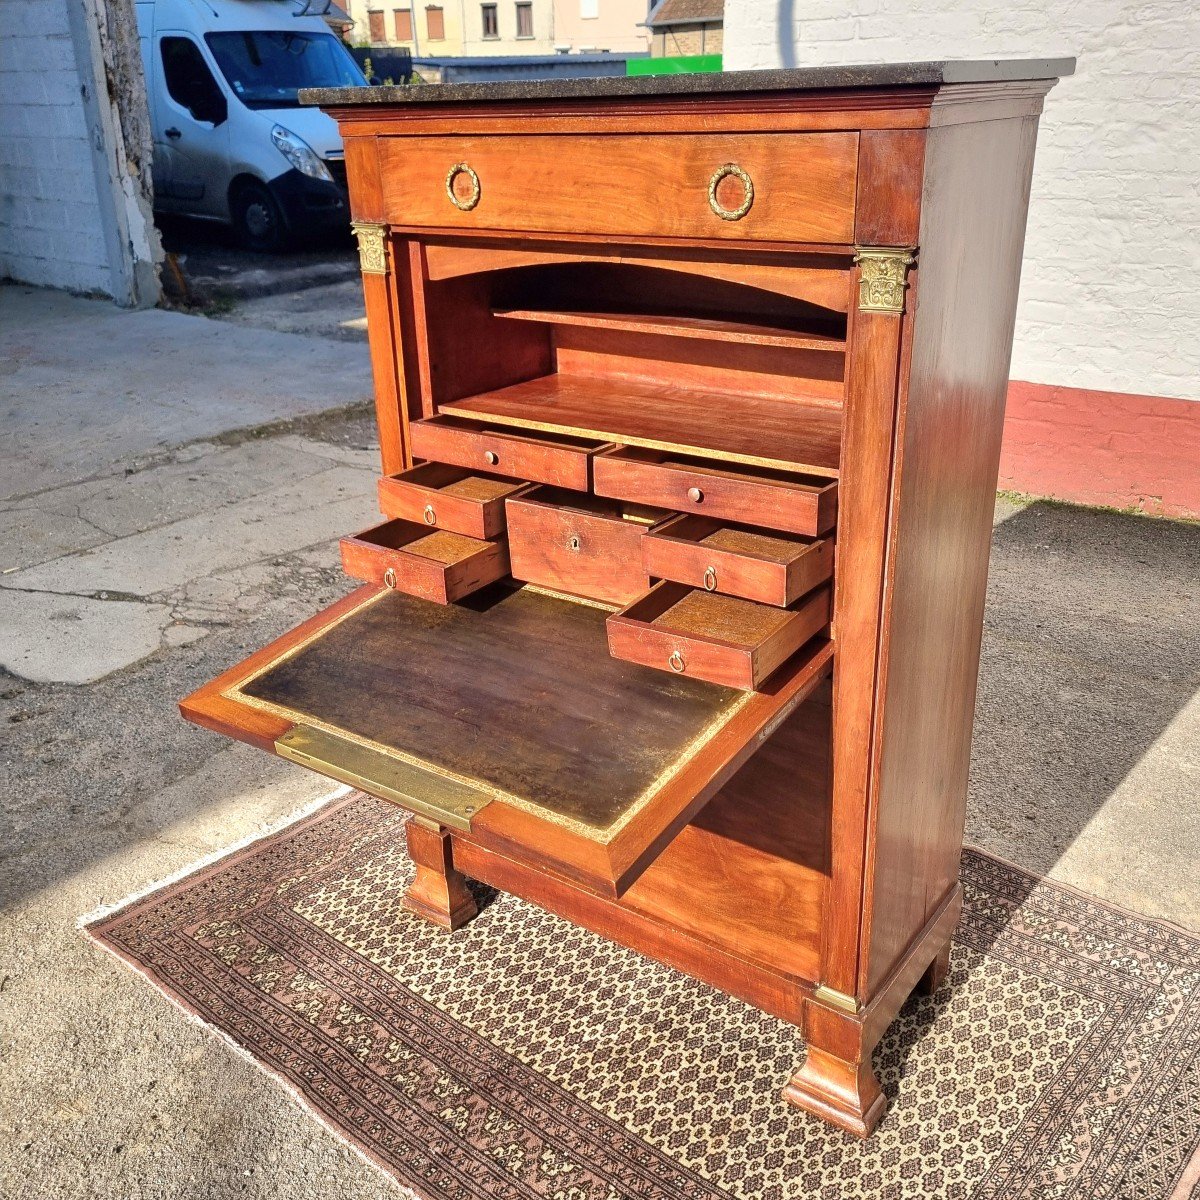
<point>124,526</point>
<point>1085,765</point>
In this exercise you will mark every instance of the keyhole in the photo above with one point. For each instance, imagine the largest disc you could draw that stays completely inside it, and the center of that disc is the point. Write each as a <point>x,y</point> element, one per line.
<point>573,543</point>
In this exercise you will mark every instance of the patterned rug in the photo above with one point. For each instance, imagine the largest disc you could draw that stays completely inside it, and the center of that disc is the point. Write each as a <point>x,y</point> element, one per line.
<point>522,1057</point>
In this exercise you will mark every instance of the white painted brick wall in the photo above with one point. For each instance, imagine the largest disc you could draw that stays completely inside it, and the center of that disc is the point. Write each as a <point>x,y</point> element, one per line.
<point>51,223</point>
<point>1109,298</point>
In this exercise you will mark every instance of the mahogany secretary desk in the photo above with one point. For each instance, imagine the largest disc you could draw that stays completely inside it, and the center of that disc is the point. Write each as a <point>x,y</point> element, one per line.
<point>690,394</point>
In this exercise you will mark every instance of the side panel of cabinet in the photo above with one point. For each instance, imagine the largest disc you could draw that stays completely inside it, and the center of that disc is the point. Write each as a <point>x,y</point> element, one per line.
<point>949,426</point>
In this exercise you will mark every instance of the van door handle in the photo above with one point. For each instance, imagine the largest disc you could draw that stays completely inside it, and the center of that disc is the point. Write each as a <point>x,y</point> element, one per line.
<point>173,133</point>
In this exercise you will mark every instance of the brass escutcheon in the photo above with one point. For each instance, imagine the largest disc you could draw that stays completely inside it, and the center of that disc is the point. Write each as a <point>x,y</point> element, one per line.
<point>473,199</point>
<point>389,577</point>
<point>676,662</point>
<point>730,214</point>
<point>710,579</point>
<point>430,517</point>
<point>573,543</point>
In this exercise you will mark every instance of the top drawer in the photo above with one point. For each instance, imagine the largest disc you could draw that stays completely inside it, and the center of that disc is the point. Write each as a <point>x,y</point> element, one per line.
<point>756,187</point>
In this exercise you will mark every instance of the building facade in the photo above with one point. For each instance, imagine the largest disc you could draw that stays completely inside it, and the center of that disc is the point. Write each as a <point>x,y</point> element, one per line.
<point>595,26</point>
<point>470,28</point>
<point>1104,406</point>
<point>684,28</point>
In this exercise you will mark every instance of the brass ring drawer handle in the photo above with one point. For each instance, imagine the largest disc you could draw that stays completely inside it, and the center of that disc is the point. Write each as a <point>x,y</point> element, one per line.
<point>710,579</point>
<point>728,171</point>
<point>467,202</point>
<point>428,515</point>
<point>676,662</point>
<point>389,577</point>
<point>491,457</point>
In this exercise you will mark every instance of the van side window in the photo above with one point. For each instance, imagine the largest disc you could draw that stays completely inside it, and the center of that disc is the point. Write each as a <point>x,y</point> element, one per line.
<point>189,81</point>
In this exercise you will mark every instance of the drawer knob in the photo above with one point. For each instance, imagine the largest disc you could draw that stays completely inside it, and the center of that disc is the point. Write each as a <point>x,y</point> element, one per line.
<point>573,543</point>
<point>389,577</point>
<point>491,457</point>
<point>462,186</point>
<point>723,189</point>
<point>676,662</point>
<point>429,516</point>
<point>710,579</point>
<point>695,495</point>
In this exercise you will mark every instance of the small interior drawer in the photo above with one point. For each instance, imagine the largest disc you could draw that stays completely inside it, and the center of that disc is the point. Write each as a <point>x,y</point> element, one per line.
<point>445,497</point>
<point>773,499</point>
<point>737,560</point>
<point>579,544</point>
<point>434,564</point>
<point>556,459</point>
<point>705,635</point>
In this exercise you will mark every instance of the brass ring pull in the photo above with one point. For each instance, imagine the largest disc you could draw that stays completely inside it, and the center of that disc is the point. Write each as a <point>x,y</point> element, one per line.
<point>710,579</point>
<point>389,577</point>
<point>676,662</point>
<point>428,515</point>
<point>466,203</point>
<point>721,173</point>
<point>491,457</point>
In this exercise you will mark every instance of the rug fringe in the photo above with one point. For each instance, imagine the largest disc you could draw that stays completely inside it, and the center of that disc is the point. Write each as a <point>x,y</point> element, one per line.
<point>289,818</point>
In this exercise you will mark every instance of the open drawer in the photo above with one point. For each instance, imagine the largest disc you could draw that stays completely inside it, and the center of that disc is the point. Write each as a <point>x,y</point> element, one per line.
<point>505,719</point>
<point>705,635</point>
<point>443,497</point>
<point>434,564</point>
<point>737,560</point>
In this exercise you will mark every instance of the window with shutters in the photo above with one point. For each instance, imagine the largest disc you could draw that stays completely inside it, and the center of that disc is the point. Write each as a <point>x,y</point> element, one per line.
<point>524,20</point>
<point>403,24</point>
<point>435,23</point>
<point>375,27</point>
<point>491,25</point>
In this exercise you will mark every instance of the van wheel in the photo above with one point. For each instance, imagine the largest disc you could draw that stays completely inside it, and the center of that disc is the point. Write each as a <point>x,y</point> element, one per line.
<point>257,219</point>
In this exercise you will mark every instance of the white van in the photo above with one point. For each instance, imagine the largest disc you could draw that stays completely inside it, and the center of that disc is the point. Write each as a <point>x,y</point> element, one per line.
<point>230,140</point>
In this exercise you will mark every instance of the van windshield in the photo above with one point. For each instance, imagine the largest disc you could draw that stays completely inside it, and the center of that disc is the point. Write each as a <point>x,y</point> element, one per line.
<point>266,68</point>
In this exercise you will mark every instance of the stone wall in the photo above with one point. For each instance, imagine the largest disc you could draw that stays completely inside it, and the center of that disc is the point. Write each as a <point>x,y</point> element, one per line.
<point>1109,300</point>
<point>75,190</point>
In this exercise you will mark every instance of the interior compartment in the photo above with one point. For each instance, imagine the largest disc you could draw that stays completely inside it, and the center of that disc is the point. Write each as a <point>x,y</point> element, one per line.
<point>644,353</point>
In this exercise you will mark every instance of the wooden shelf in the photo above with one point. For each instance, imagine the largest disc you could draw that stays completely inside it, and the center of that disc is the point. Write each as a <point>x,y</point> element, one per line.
<point>785,433</point>
<point>705,328</point>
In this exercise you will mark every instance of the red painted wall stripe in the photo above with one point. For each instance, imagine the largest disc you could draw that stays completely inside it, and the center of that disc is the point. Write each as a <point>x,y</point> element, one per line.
<point>1107,448</point>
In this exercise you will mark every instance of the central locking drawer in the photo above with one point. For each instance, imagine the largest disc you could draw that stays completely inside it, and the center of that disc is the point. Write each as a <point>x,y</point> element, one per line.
<point>579,544</point>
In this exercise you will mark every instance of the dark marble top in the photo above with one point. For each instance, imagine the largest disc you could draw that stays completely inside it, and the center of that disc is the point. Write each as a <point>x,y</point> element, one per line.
<point>880,75</point>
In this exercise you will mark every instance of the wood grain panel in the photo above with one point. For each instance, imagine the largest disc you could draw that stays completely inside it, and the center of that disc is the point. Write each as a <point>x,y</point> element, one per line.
<point>972,235</point>
<point>622,185</point>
